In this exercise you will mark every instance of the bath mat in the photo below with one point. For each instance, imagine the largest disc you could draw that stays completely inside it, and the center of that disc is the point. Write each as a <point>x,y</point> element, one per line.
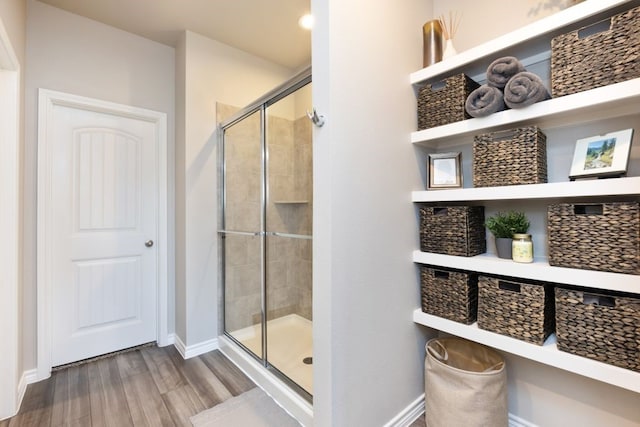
<point>253,408</point>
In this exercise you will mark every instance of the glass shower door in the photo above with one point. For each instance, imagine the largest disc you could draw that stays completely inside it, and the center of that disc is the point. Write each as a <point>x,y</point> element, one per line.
<point>267,199</point>
<point>242,237</point>
<point>289,205</point>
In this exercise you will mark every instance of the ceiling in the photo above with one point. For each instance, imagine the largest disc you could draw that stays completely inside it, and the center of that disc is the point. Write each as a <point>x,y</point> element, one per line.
<point>265,28</point>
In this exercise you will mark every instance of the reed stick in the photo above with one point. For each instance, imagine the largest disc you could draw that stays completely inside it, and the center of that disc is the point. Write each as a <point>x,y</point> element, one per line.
<point>450,26</point>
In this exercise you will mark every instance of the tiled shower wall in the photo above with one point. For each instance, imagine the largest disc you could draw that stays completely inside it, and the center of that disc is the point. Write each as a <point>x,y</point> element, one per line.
<point>289,210</point>
<point>242,273</point>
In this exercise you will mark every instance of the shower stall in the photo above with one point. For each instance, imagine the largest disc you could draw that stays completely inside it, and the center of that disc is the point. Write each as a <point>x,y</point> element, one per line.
<point>266,232</point>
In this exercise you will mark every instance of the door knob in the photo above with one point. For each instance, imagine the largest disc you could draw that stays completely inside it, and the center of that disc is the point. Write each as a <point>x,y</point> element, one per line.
<point>148,243</point>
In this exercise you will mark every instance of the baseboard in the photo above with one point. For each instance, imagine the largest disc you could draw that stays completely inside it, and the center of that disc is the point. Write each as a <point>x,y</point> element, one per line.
<point>179,345</point>
<point>416,409</point>
<point>11,408</point>
<point>409,414</point>
<point>28,377</point>
<point>515,421</point>
<point>171,340</point>
<point>187,352</point>
<point>166,340</point>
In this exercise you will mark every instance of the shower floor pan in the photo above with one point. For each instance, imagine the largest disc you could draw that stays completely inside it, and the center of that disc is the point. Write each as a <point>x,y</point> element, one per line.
<point>289,346</point>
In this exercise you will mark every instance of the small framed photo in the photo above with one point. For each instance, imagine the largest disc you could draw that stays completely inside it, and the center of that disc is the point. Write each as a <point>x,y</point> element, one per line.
<point>602,155</point>
<point>444,171</point>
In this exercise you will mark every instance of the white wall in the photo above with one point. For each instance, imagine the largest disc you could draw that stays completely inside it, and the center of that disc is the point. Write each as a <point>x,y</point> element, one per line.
<point>486,20</point>
<point>12,52</point>
<point>303,98</point>
<point>368,354</point>
<point>69,53</point>
<point>212,72</point>
<point>14,16</point>
<point>180,194</point>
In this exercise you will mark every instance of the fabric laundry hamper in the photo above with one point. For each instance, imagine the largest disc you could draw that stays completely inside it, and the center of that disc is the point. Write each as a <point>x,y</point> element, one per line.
<point>465,385</point>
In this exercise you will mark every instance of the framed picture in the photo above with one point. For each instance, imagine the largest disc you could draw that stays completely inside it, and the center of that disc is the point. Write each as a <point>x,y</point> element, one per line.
<point>444,171</point>
<point>602,155</point>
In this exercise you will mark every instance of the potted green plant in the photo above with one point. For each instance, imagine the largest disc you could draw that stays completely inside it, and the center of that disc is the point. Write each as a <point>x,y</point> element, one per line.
<point>503,225</point>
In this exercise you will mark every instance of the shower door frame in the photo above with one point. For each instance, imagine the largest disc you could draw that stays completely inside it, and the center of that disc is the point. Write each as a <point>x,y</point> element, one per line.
<point>260,105</point>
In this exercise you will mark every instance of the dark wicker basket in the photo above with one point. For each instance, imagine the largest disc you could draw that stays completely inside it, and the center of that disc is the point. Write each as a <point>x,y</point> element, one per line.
<point>440,105</point>
<point>449,294</point>
<point>519,310</point>
<point>603,236</point>
<point>511,157</point>
<point>581,62</point>
<point>453,230</point>
<point>599,326</point>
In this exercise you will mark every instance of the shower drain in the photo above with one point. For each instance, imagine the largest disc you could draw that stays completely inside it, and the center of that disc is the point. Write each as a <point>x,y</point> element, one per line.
<point>307,360</point>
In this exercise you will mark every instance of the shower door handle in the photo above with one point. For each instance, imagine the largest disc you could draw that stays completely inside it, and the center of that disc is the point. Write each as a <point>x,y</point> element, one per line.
<point>241,233</point>
<point>292,236</point>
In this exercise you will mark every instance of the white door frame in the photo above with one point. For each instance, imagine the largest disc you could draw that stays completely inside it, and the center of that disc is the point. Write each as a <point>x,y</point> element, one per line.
<point>10,226</point>
<point>47,100</point>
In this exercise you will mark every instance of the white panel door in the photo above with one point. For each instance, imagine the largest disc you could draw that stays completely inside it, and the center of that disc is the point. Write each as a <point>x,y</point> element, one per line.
<point>105,213</point>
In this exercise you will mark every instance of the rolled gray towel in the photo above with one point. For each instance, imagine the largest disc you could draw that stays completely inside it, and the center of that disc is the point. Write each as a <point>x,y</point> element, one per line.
<point>524,89</point>
<point>484,101</point>
<point>502,69</point>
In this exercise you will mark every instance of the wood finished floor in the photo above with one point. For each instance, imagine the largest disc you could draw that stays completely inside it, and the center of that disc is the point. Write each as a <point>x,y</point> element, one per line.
<point>151,386</point>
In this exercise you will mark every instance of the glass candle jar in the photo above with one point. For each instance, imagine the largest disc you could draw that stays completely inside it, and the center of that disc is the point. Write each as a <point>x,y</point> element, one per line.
<point>522,248</point>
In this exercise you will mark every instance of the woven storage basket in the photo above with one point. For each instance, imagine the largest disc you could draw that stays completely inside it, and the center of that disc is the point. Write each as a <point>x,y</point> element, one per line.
<point>603,236</point>
<point>449,294</point>
<point>520,310</point>
<point>599,326</point>
<point>440,105</point>
<point>453,230</point>
<point>511,157</point>
<point>581,62</point>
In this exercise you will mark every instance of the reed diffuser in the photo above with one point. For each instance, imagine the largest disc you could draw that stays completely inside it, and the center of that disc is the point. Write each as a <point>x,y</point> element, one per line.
<point>449,29</point>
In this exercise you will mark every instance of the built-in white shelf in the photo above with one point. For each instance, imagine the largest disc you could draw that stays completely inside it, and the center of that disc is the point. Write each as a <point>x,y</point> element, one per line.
<point>620,99</point>
<point>532,44</point>
<point>628,186</point>
<point>537,270</point>
<point>530,39</point>
<point>547,353</point>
